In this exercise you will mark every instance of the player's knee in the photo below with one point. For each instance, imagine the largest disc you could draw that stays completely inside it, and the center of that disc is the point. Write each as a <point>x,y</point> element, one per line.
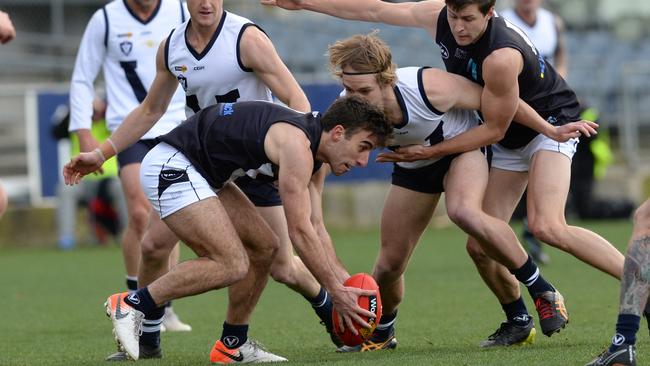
<point>475,252</point>
<point>282,273</point>
<point>139,219</point>
<point>387,270</point>
<point>237,264</point>
<point>549,231</point>
<point>464,217</point>
<point>153,251</point>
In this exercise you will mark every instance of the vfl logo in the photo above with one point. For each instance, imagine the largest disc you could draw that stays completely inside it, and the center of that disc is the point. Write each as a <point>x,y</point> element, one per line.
<point>228,109</point>
<point>618,339</point>
<point>183,81</point>
<point>181,68</point>
<point>127,35</point>
<point>444,51</point>
<point>230,341</point>
<point>134,298</point>
<point>126,47</point>
<point>170,175</point>
<point>461,54</point>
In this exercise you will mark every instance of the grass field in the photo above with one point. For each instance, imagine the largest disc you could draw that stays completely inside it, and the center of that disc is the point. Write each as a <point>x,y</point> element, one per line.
<point>52,310</point>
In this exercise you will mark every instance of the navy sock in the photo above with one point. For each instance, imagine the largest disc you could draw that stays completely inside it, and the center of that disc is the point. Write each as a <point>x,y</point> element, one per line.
<point>131,283</point>
<point>151,328</point>
<point>516,312</point>
<point>626,328</point>
<point>322,305</point>
<point>142,300</point>
<point>529,275</point>
<point>386,326</point>
<point>234,336</point>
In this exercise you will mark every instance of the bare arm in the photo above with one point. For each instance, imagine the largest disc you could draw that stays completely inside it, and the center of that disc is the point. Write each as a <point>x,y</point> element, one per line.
<point>289,148</point>
<point>499,101</point>
<point>258,53</point>
<point>422,14</point>
<point>445,91</point>
<point>560,59</point>
<point>134,126</point>
<point>144,116</point>
<point>316,192</point>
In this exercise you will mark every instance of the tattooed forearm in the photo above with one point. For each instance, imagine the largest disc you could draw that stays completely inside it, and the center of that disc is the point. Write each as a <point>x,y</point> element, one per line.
<point>635,284</point>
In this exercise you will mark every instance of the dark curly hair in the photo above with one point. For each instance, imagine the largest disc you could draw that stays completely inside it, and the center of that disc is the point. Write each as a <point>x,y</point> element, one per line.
<point>354,114</point>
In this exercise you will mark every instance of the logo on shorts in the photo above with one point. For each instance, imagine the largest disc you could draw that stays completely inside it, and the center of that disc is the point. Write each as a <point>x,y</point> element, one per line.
<point>172,175</point>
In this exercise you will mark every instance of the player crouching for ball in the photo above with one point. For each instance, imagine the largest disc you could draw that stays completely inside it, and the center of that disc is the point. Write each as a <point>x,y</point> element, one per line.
<point>187,178</point>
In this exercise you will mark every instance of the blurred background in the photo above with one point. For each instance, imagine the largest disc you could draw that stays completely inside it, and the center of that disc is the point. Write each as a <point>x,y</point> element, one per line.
<point>608,59</point>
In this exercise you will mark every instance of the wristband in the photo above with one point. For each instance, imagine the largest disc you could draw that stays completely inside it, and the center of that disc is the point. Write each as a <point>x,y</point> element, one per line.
<point>101,155</point>
<point>112,145</point>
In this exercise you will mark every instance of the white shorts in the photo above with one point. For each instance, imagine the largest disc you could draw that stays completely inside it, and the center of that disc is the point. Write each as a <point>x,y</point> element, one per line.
<point>518,160</point>
<point>170,181</point>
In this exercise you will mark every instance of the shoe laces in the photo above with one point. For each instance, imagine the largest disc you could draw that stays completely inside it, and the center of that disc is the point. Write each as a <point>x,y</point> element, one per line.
<point>138,318</point>
<point>544,308</point>
<point>256,346</point>
<point>499,330</point>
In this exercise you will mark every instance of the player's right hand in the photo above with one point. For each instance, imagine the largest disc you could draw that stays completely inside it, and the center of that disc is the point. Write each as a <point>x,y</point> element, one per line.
<point>81,165</point>
<point>574,130</point>
<point>346,304</point>
<point>284,4</point>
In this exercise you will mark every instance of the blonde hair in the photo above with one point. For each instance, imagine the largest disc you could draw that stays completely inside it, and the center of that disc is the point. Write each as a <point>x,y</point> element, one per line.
<point>365,54</point>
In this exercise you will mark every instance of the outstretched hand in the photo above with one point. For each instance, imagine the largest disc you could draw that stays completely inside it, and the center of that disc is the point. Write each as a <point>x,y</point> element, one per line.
<point>81,165</point>
<point>405,153</point>
<point>574,129</point>
<point>284,4</point>
<point>346,304</point>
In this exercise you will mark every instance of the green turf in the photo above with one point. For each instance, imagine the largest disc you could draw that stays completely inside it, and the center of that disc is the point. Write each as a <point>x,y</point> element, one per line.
<point>52,309</point>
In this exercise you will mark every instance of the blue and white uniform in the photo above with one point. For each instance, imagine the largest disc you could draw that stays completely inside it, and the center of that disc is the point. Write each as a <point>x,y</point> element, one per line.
<point>423,124</point>
<point>217,75</point>
<point>124,47</point>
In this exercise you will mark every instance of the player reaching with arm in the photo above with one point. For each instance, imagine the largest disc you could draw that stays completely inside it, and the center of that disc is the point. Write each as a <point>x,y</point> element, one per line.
<point>424,107</point>
<point>485,49</point>
<point>179,176</point>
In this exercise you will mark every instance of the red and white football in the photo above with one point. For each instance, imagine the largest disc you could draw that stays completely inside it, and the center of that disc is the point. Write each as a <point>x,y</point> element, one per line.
<point>371,303</point>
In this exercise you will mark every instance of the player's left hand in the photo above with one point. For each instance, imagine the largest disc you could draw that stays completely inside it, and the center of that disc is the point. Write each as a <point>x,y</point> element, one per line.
<point>574,129</point>
<point>405,153</point>
<point>81,165</point>
<point>346,304</point>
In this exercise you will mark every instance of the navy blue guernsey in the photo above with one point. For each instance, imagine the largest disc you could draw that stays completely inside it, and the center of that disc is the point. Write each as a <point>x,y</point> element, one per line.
<point>539,84</point>
<point>225,138</point>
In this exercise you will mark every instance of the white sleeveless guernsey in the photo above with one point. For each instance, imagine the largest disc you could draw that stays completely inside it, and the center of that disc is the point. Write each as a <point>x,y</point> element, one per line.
<point>217,74</point>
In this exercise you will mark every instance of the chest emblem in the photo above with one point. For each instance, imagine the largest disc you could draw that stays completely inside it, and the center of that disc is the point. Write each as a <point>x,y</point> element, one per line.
<point>126,47</point>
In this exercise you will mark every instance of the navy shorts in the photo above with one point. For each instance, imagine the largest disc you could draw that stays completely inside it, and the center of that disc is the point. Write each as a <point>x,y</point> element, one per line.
<point>427,179</point>
<point>262,194</point>
<point>135,153</point>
